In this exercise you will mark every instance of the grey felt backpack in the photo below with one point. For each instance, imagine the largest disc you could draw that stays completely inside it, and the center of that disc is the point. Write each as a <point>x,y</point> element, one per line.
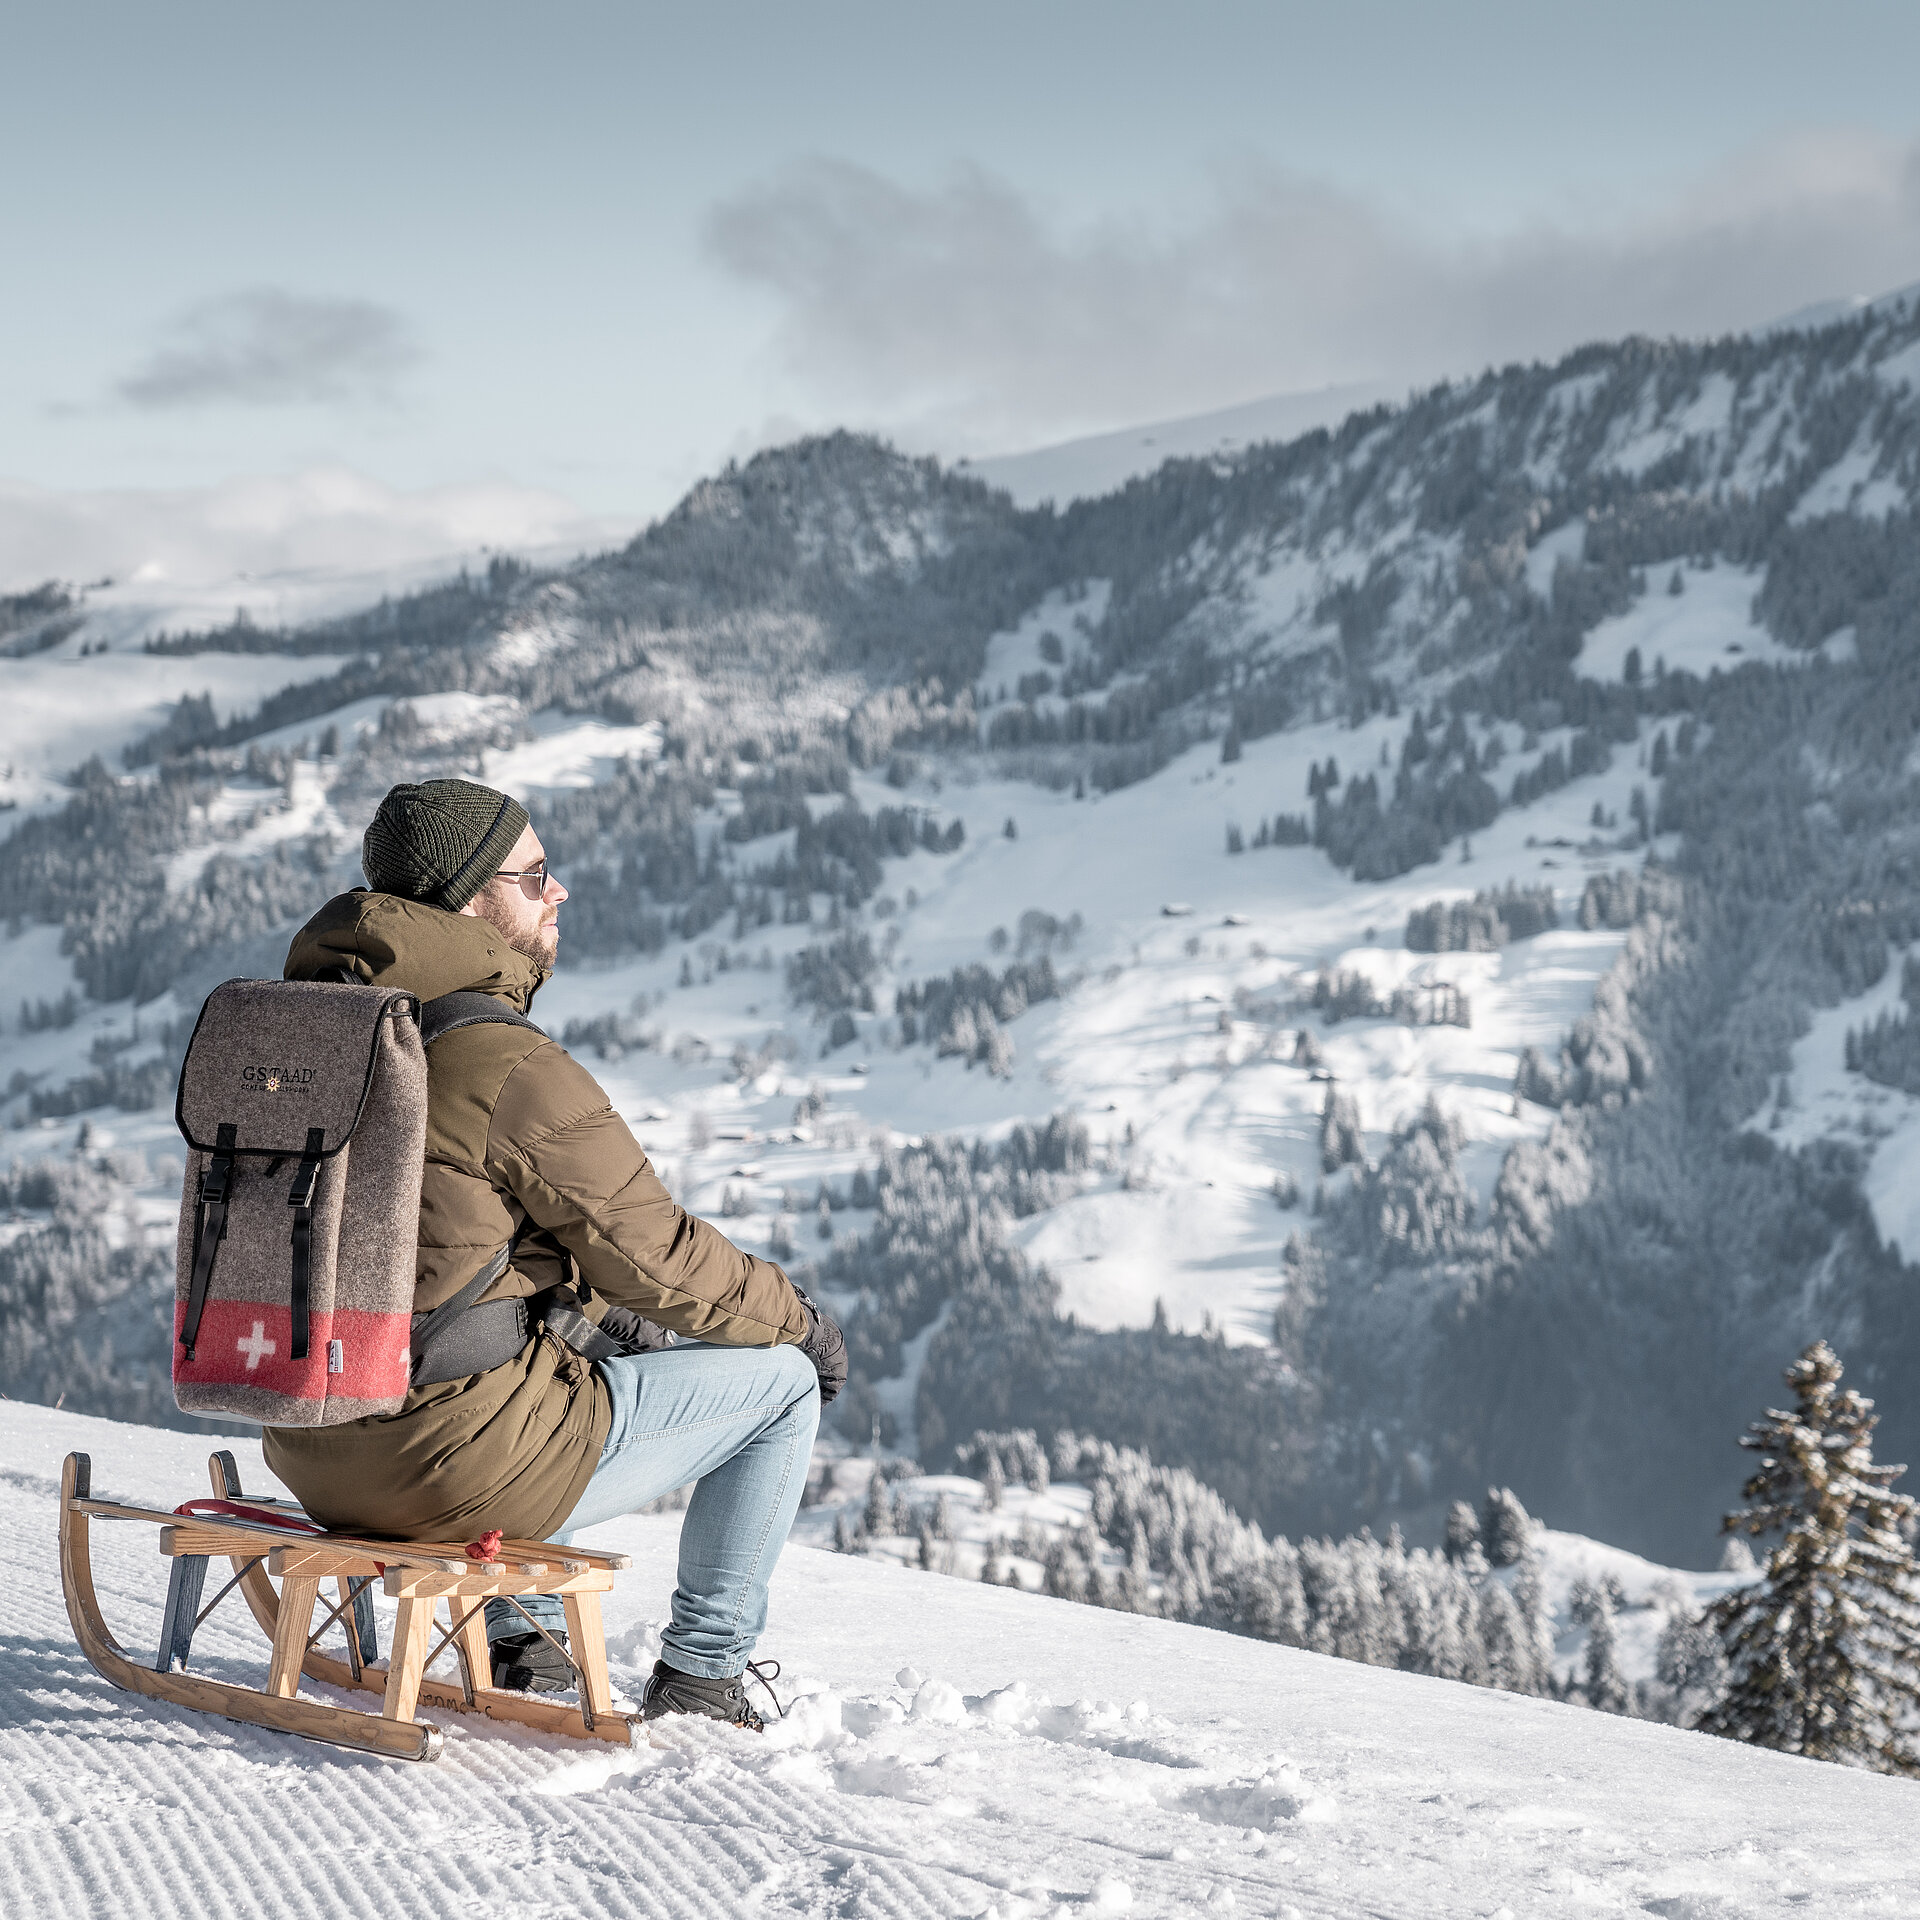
<point>304,1109</point>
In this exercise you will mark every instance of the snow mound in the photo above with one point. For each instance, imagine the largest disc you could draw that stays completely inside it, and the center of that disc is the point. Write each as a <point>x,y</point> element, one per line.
<point>923,1767</point>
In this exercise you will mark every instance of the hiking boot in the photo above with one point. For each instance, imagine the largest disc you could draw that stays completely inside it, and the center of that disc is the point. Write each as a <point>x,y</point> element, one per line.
<point>530,1663</point>
<point>669,1690</point>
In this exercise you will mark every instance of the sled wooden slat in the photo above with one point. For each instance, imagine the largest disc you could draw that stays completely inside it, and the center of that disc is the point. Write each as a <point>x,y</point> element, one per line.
<point>479,1584</point>
<point>512,1550</point>
<point>325,1559</point>
<point>199,1536</point>
<point>420,1575</point>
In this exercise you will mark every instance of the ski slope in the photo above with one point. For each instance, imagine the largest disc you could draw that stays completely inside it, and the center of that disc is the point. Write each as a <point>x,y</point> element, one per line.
<point>949,1749</point>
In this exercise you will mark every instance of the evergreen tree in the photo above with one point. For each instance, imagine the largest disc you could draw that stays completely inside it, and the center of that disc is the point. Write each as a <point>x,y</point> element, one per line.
<point>1504,1527</point>
<point>1821,1651</point>
<point>993,1484</point>
<point>1530,1596</point>
<point>878,1518</point>
<point>1601,1679</point>
<point>1689,1664</point>
<point>1506,1639</point>
<point>1463,1532</point>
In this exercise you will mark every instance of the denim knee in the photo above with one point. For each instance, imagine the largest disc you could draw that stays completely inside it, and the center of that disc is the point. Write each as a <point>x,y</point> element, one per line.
<point>795,1373</point>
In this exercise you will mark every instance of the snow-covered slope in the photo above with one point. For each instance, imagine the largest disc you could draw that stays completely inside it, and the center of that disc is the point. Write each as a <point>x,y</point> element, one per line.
<point>948,1749</point>
<point>1081,469</point>
<point>1175,1042</point>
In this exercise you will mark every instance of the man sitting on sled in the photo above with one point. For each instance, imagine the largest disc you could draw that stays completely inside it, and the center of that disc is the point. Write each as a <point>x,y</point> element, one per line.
<point>619,1348</point>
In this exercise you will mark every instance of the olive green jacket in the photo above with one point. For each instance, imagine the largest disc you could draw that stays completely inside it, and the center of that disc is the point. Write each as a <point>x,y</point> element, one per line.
<point>522,1147</point>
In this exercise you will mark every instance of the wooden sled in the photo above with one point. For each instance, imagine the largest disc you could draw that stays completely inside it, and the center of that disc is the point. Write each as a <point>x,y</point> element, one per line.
<point>276,1541</point>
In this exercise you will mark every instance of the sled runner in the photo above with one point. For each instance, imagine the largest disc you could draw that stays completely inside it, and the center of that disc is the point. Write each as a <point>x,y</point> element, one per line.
<point>266,1540</point>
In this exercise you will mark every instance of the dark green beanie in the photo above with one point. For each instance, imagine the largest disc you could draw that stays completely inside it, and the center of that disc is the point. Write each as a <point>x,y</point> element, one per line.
<point>440,841</point>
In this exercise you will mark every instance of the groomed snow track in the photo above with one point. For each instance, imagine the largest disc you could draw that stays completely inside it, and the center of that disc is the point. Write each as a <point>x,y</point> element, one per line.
<point>1257,1781</point>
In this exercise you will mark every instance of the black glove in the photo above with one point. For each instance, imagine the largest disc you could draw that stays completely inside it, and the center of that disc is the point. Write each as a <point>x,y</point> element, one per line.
<point>826,1346</point>
<point>634,1334</point>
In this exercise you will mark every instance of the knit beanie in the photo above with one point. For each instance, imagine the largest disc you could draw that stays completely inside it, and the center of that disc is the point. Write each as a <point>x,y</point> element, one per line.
<point>440,841</point>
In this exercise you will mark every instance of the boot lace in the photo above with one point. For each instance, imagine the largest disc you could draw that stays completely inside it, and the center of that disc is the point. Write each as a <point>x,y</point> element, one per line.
<point>766,1672</point>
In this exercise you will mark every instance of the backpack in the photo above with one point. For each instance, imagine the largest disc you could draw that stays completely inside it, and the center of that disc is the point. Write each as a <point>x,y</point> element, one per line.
<point>303,1104</point>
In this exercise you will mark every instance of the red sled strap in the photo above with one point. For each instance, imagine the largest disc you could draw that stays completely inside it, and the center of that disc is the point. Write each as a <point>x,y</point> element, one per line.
<point>254,1516</point>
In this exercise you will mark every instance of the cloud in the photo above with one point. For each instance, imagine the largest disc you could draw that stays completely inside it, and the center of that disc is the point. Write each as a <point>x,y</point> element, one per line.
<point>264,346</point>
<point>962,312</point>
<point>288,546</point>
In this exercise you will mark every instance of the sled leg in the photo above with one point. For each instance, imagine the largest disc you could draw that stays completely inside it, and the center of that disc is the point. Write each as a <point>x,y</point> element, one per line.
<point>184,1587</point>
<point>298,1593</point>
<point>470,1637</point>
<point>408,1660</point>
<point>363,1642</point>
<point>589,1641</point>
<point>341,1727</point>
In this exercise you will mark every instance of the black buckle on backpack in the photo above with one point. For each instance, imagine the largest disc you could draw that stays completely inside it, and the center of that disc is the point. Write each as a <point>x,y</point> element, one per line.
<point>209,1228</point>
<point>564,1320</point>
<point>300,1198</point>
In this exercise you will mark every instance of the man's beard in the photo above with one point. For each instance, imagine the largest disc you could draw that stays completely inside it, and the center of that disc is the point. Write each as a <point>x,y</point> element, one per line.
<point>539,943</point>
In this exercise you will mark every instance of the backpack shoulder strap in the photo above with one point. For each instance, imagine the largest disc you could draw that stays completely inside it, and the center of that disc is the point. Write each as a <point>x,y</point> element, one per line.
<point>453,1010</point>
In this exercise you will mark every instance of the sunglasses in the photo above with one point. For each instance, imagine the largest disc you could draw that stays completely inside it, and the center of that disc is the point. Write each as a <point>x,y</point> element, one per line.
<point>533,880</point>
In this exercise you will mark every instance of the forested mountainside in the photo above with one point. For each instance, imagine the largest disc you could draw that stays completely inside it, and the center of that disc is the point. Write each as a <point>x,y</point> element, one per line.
<point>1696,562</point>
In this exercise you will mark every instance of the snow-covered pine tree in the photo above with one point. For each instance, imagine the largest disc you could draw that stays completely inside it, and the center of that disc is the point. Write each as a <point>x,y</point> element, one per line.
<point>993,1483</point>
<point>1463,1532</point>
<point>1504,1527</point>
<point>1601,1680</point>
<point>1689,1663</point>
<point>1508,1641</point>
<point>1530,1597</point>
<point>1823,1652</point>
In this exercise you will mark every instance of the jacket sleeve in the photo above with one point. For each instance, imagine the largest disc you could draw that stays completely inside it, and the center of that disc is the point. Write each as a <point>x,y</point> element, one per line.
<point>556,1144</point>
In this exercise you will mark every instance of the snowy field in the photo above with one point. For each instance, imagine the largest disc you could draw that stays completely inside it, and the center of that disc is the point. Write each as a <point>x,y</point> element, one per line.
<point>949,1749</point>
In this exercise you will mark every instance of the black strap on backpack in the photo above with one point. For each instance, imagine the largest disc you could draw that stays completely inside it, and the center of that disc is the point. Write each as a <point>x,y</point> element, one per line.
<point>300,1199</point>
<point>431,1330</point>
<point>468,1009</point>
<point>209,1227</point>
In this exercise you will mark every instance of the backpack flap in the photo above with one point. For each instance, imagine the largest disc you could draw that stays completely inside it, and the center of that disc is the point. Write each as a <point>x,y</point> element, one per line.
<point>278,1059</point>
<point>293,1302</point>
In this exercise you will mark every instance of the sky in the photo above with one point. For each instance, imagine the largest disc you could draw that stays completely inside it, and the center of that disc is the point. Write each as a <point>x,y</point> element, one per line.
<point>585,253</point>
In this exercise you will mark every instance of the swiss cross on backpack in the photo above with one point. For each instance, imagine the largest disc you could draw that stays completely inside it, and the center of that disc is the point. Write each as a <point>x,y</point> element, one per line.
<point>304,1108</point>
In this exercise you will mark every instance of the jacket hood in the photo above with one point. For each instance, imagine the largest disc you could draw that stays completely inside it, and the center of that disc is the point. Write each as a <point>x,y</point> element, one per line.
<point>387,941</point>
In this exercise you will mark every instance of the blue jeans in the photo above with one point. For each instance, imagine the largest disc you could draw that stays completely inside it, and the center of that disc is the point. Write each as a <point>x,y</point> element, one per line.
<point>738,1421</point>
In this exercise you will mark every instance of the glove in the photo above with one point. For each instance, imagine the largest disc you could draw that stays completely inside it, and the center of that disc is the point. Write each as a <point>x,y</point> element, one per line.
<point>826,1346</point>
<point>634,1334</point>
